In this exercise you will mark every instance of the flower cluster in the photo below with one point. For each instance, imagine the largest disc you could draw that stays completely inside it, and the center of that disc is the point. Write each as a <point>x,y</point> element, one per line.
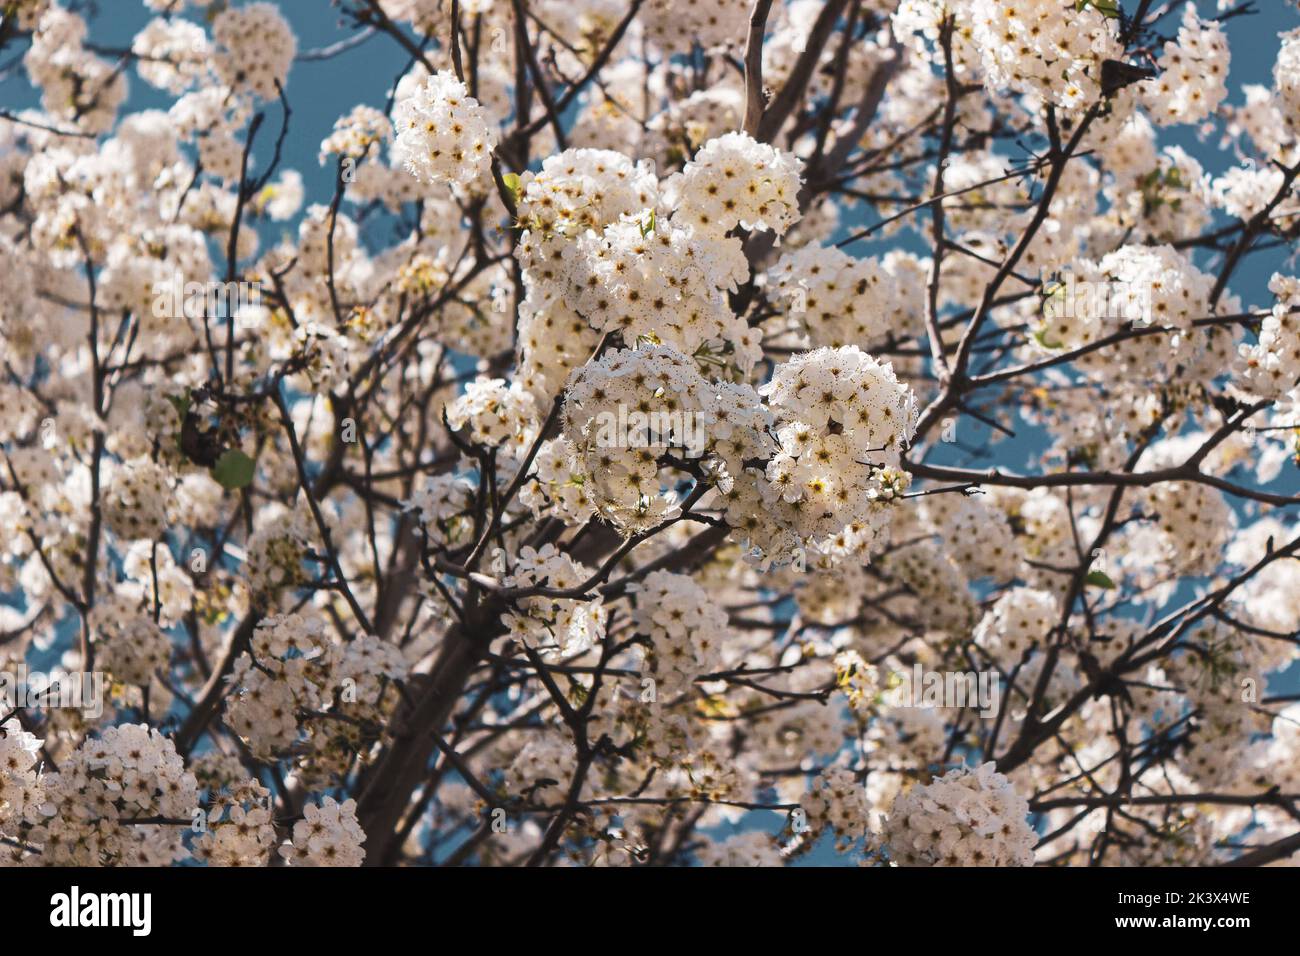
<point>846,394</point>
<point>943,598</point>
<point>280,544</point>
<point>134,650</point>
<point>135,506</point>
<point>1018,621</point>
<point>255,47</point>
<point>443,503</point>
<point>752,848</point>
<point>443,134</point>
<point>621,467</point>
<point>554,626</point>
<point>837,803</point>
<point>659,282</point>
<point>685,629</point>
<point>843,419</point>
<point>20,791</point>
<point>1271,367</point>
<point>676,25</point>
<point>1286,76</point>
<point>283,673</point>
<point>977,535</point>
<point>130,771</point>
<point>581,189</point>
<point>561,482</point>
<point>237,827</point>
<point>499,414</point>
<point>964,818</point>
<point>1193,72</point>
<point>329,835</point>
<point>357,134</point>
<point>75,84</point>
<point>736,181</point>
<point>838,300</point>
<point>174,54</point>
<point>1132,286</point>
<point>1052,49</point>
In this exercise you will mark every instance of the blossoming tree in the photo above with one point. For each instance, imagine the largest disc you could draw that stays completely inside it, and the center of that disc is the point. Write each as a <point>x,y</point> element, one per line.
<point>576,481</point>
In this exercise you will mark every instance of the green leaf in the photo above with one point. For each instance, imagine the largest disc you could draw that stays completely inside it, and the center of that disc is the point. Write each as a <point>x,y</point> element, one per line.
<point>1107,8</point>
<point>233,470</point>
<point>512,183</point>
<point>1099,579</point>
<point>1041,338</point>
<point>181,403</point>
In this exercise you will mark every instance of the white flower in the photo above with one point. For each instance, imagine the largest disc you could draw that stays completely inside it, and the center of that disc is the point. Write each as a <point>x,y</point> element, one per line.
<point>328,836</point>
<point>964,818</point>
<point>255,48</point>
<point>443,134</point>
<point>735,180</point>
<point>1050,48</point>
<point>685,628</point>
<point>1286,76</point>
<point>1193,71</point>
<point>1021,619</point>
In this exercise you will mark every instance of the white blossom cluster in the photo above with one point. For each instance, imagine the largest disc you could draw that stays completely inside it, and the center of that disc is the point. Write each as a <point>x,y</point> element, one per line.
<point>1271,366</point>
<point>499,415</point>
<point>837,803</point>
<point>554,626</point>
<point>1019,621</point>
<point>837,299</point>
<point>1134,286</point>
<point>74,83</point>
<point>1286,77</point>
<point>663,283</point>
<point>842,421</point>
<point>964,818</point>
<point>753,848</point>
<point>294,678</point>
<point>281,674</point>
<point>174,54</point>
<point>977,535</point>
<point>620,473</point>
<point>134,650</point>
<point>136,504</point>
<point>443,503</point>
<point>735,181</point>
<point>255,47</point>
<point>20,790</point>
<point>277,549</point>
<point>329,835</point>
<point>944,601</point>
<point>686,631</point>
<point>443,134</point>
<point>582,189</point>
<point>675,25</point>
<point>1052,49</point>
<point>357,134</point>
<point>129,771</point>
<point>237,828</point>
<point>1193,73</point>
